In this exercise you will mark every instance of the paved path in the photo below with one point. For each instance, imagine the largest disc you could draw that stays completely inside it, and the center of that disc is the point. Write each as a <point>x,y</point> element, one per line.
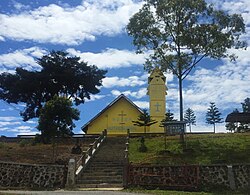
<point>62,192</point>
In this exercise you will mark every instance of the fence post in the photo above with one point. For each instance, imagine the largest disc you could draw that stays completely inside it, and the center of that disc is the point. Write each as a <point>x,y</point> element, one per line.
<point>71,173</point>
<point>95,143</point>
<point>84,156</point>
<point>231,177</point>
<point>90,150</point>
<point>104,132</point>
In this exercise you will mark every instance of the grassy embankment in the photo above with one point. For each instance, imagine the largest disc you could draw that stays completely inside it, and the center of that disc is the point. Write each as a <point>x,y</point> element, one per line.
<point>200,149</point>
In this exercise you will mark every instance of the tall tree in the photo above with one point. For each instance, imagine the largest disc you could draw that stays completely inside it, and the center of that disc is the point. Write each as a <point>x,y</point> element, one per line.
<point>60,74</point>
<point>144,120</point>
<point>232,126</point>
<point>169,116</point>
<point>190,118</point>
<point>56,118</point>
<point>244,126</point>
<point>246,105</point>
<point>213,115</point>
<point>181,33</point>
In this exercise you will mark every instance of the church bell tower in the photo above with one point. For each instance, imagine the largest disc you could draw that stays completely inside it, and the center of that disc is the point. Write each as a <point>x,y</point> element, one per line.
<point>157,97</point>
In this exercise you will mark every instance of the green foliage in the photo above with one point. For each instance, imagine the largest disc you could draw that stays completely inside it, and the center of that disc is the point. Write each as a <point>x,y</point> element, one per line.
<point>144,120</point>
<point>60,74</point>
<point>240,122</point>
<point>231,126</point>
<point>213,115</point>
<point>173,27</point>
<point>143,147</point>
<point>246,105</point>
<point>200,149</point>
<point>190,118</point>
<point>2,145</point>
<point>24,142</point>
<point>169,116</point>
<point>56,118</point>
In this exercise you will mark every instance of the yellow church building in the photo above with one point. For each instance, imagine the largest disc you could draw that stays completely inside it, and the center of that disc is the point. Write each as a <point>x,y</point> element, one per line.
<point>116,118</point>
<point>119,115</point>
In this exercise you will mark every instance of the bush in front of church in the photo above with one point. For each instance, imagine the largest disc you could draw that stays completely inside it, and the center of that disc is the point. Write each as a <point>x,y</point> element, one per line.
<point>143,147</point>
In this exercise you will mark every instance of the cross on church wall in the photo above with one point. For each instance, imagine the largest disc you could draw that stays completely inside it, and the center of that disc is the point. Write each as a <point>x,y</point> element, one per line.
<point>122,117</point>
<point>157,105</point>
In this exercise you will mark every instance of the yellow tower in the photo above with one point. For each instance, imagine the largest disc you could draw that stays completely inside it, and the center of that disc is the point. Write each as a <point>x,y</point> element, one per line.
<point>157,96</point>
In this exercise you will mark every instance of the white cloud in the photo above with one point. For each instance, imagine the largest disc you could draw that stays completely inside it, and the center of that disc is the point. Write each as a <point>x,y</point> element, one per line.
<point>95,97</point>
<point>68,25</point>
<point>136,94</point>
<point>110,58</point>
<point>2,38</point>
<point>142,104</point>
<point>220,128</point>
<point>7,123</point>
<point>131,81</point>
<point>228,83</point>
<point>8,118</point>
<point>21,7</point>
<point>21,58</point>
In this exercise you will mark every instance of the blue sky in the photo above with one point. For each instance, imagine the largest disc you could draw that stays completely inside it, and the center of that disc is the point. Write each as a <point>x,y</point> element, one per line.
<point>95,31</point>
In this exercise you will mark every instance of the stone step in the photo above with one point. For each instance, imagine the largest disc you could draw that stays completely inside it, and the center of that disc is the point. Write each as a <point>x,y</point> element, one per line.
<point>102,177</point>
<point>106,163</point>
<point>106,167</point>
<point>103,167</point>
<point>98,175</point>
<point>101,185</point>
<point>99,181</point>
<point>103,170</point>
<point>117,163</point>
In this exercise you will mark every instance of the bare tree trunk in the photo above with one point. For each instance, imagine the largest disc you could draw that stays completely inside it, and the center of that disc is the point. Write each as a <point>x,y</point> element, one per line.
<point>181,99</point>
<point>181,110</point>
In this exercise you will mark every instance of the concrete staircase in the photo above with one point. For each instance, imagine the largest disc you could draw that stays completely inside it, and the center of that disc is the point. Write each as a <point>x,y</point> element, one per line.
<point>105,170</point>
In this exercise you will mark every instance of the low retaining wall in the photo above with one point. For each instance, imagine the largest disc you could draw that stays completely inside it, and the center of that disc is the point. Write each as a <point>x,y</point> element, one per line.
<point>190,177</point>
<point>32,176</point>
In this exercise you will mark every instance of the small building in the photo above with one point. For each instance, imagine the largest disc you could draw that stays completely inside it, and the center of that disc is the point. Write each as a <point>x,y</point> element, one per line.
<point>242,117</point>
<point>116,118</point>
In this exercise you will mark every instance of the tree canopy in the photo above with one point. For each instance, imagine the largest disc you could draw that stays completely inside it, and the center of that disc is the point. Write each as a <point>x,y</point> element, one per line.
<point>56,118</point>
<point>144,120</point>
<point>180,33</point>
<point>213,115</point>
<point>190,118</point>
<point>246,105</point>
<point>239,121</point>
<point>60,74</point>
<point>169,116</point>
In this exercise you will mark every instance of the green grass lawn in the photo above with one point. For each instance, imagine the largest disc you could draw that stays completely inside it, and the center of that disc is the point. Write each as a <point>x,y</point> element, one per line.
<point>200,149</point>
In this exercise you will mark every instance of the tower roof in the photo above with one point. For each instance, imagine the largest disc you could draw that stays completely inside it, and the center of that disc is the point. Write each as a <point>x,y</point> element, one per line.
<point>156,72</point>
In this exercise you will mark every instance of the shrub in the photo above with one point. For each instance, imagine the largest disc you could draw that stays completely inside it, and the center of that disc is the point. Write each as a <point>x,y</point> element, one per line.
<point>143,147</point>
<point>2,145</point>
<point>24,142</point>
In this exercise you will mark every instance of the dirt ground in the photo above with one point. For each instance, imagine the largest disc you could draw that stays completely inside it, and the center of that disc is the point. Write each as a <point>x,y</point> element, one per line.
<point>28,152</point>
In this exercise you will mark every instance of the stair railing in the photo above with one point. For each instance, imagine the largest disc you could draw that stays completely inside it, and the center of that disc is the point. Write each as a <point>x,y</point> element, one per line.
<point>87,155</point>
<point>126,161</point>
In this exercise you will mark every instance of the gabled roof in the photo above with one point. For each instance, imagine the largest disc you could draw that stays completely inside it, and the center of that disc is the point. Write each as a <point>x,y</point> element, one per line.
<point>122,96</point>
<point>243,117</point>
